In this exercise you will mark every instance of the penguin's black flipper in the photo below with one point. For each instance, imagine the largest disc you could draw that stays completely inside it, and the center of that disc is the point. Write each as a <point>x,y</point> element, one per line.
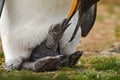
<point>88,20</point>
<point>1,6</point>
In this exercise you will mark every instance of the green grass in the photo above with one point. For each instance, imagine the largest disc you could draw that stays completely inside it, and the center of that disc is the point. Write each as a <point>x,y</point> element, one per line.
<point>117,31</point>
<point>1,55</point>
<point>105,64</point>
<point>95,68</point>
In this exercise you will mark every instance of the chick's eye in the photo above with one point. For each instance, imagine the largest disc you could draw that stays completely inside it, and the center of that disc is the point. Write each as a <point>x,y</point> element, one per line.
<point>56,28</point>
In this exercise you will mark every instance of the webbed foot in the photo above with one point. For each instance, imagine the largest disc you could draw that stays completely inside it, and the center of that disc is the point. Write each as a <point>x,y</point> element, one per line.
<point>14,64</point>
<point>72,59</point>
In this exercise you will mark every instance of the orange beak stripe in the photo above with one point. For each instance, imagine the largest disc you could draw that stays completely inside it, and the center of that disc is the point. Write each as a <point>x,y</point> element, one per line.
<point>75,6</point>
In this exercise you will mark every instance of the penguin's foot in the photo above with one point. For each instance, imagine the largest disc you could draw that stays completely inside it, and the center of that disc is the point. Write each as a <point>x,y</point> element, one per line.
<point>71,60</point>
<point>14,64</point>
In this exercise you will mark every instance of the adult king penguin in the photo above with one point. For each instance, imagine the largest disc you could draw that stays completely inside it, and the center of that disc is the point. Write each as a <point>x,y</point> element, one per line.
<point>24,25</point>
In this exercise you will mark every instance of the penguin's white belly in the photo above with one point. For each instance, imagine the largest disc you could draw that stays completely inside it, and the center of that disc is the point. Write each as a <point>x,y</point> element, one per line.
<point>25,23</point>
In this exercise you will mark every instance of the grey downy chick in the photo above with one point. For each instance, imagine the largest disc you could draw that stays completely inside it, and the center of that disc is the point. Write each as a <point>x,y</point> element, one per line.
<point>50,46</point>
<point>46,57</point>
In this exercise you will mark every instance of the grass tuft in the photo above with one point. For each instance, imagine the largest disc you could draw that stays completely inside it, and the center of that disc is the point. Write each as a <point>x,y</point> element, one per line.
<point>1,55</point>
<point>117,31</point>
<point>105,63</point>
<point>95,68</point>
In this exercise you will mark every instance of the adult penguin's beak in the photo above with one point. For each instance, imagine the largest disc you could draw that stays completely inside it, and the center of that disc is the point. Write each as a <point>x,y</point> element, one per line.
<point>75,7</point>
<point>1,6</point>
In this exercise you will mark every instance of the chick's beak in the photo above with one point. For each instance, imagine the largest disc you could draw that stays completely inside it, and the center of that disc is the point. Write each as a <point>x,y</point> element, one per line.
<point>65,24</point>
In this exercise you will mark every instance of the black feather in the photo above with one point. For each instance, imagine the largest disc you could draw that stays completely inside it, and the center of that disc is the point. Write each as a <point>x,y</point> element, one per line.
<point>1,6</point>
<point>83,8</point>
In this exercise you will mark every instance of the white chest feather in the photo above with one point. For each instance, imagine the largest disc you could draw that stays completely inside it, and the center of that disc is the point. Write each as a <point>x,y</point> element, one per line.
<point>25,23</point>
<point>32,18</point>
